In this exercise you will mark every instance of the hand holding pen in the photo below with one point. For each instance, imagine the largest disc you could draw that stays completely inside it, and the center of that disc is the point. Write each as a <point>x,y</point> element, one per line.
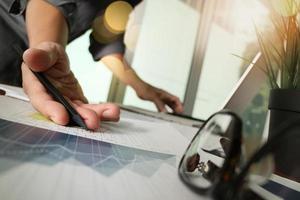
<point>49,63</point>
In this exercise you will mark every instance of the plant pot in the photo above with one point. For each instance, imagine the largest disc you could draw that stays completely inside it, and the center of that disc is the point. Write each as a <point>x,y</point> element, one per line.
<point>284,106</point>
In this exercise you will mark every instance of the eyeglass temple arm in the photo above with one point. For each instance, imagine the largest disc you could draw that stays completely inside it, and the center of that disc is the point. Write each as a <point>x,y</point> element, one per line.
<point>278,137</point>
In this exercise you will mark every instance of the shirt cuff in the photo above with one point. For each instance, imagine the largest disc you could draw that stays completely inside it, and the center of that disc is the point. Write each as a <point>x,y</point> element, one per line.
<point>99,50</point>
<point>17,7</point>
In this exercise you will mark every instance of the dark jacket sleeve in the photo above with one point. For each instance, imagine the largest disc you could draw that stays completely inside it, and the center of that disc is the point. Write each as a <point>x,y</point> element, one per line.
<point>17,7</point>
<point>99,50</point>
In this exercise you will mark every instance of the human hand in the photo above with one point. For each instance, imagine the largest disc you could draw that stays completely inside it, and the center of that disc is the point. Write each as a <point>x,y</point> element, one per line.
<point>160,98</point>
<point>51,58</point>
<point>119,66</point>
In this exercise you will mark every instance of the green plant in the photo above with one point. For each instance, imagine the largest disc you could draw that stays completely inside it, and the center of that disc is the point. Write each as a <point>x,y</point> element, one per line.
<point>280,47</point>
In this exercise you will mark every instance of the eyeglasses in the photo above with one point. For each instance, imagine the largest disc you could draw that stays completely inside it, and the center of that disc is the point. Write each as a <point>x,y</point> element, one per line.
<point>213,165</point>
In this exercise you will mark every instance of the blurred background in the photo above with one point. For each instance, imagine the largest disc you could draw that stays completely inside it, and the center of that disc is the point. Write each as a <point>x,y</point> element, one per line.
<point>195,49</point>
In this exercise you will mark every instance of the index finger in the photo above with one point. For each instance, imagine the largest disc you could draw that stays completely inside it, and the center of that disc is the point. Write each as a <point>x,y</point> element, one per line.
<point>173,102</point>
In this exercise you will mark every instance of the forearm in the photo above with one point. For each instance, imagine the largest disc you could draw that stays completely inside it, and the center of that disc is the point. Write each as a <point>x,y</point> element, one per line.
<point>44,22</point>
<point>124,72</point>
<point>145,91</point>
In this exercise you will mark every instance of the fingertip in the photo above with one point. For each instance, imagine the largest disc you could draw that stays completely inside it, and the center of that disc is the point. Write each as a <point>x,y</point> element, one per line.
<point>92,123</point>
<point>60,119</point>
<point>176,106</point>
<point>92,126</point>
<point>26,54</point>
<point>163,110</point>
<point>51,109</point>
<point>90,118</point>
<point>36,59</point>
<point>179,108</point>
<point>57,113</point>
<point>160,106</point>
<point>111,113</point>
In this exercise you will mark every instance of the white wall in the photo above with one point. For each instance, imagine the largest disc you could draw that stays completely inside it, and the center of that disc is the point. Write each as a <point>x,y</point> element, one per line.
<point>165,48</point>
<point>94,77</point>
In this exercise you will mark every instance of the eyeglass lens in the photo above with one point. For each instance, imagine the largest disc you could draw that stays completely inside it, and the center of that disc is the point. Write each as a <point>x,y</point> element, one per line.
<point>205,156</point>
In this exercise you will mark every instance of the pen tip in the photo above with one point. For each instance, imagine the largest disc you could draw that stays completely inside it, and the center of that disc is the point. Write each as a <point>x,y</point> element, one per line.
<point>79,121</point>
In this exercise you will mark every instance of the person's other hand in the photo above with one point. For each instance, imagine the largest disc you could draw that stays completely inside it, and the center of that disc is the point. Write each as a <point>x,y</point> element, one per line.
<point>161,99</point>
<point>51,58</point>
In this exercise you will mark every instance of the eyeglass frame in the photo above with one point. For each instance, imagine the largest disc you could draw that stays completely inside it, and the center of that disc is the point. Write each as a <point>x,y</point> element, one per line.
<point>229,181</point>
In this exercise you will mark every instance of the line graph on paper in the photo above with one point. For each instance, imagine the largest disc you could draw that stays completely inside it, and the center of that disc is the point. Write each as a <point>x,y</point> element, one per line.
<point>130,132</point>
<point>30,144</point>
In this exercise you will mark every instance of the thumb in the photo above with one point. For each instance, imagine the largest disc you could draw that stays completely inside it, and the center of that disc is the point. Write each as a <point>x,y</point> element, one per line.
<point>42,57</point>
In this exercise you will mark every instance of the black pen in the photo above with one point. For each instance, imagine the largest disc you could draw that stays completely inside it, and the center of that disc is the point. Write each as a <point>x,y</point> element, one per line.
<point>73,114</point>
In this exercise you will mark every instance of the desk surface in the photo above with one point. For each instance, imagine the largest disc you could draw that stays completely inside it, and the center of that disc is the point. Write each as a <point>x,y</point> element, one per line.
<point>40,164</point>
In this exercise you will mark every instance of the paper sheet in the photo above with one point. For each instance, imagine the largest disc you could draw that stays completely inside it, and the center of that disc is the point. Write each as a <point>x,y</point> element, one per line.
<point>151,136</point>
<point>14,92</point>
